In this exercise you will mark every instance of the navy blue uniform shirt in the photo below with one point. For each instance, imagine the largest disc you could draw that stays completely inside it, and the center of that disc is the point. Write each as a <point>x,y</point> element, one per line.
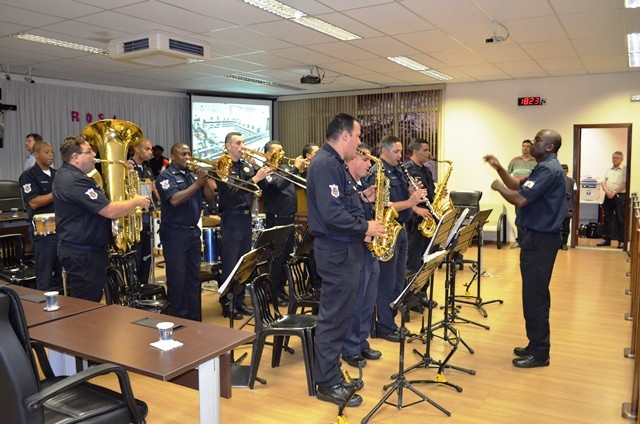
<point>144,173</point>
<point>235,198</point>
<point>77,199</point>
<point>280,195</point>
<point>334,206</point>
<point>422,174</point>
<point>398,187</point>
<point>544,189</point>
<point>34,182</point>
<point>169,182</point>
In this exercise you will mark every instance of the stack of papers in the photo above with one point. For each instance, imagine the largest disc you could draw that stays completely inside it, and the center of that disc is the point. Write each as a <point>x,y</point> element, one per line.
<point>166,344</point>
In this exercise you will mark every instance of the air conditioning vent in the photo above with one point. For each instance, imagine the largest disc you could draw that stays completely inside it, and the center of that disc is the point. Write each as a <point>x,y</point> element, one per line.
<point>159,48</point>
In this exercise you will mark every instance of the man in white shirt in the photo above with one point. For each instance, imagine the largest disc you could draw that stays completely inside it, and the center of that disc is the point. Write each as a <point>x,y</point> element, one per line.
<point>614,186</point>
<point>29,141</point>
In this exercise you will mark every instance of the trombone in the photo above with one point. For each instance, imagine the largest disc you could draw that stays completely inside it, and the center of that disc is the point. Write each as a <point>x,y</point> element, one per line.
<point>221,172</point>
<point>274,162</point>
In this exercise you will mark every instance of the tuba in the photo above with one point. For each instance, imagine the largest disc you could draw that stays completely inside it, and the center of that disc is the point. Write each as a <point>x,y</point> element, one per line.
<point>384,247</point>
<point>113,138</point>
<point>441,204</point>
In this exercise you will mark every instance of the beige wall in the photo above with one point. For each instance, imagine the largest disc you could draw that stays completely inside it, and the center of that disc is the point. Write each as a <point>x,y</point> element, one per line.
<point>481,118</point>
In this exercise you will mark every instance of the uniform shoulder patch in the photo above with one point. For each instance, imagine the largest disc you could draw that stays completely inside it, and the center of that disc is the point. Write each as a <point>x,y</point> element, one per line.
<point>92,194</point>
<point>529,184</point>
<point>164,184</point>
<point>27,188</point>
<point>335,192</point>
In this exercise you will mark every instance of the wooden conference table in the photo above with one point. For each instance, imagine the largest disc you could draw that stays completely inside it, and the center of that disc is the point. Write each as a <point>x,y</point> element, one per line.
<point>108,334</point>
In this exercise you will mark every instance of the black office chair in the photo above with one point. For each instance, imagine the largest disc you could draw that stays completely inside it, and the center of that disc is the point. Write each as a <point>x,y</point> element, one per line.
<point>302,294</point>
<point>270,322</point>
<point>13,266</point>
<point>117,292</point>
<point>466,199</point>
<point>25,399</point>
<point>10,196</point>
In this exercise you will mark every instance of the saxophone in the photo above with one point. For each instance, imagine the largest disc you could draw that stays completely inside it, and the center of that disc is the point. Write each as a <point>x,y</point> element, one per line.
<point>441,205</point>
<point>113,137</point>
<point>383,248</point>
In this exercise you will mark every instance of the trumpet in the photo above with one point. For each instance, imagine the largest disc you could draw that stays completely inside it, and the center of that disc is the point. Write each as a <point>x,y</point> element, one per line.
<point>274,162</point>
<point>222,172</point>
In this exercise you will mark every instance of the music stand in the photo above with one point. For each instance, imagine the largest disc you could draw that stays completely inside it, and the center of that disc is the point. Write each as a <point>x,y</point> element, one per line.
<point>443,233</point>
<point>481,218</point>
<point>273,240</point>
<point>400,383</point>
<point>306,245</point>
<point>240,275</point>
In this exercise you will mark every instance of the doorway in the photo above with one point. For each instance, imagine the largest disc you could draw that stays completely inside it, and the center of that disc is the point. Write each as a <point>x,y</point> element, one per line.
<point>593,146</point>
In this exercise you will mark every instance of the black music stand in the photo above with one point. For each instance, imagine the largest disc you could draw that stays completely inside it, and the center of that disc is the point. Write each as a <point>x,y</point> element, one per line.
<point>419,280</point>
<point>273,240</point>
<point>481,219</point>
<point>444,235</point>
<point>306,245</point>
<point>240,275</point>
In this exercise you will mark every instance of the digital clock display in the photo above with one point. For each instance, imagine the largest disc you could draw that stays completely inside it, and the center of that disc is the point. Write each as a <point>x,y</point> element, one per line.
<point>530,101</point>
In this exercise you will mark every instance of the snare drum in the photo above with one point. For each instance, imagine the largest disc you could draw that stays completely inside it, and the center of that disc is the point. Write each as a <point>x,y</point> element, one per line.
<point>156,216</point>
<point>44,224</point>
<point>210,237</point>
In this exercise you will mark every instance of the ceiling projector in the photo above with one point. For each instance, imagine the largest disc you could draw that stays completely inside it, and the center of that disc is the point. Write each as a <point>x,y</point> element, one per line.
<point>310,79</point>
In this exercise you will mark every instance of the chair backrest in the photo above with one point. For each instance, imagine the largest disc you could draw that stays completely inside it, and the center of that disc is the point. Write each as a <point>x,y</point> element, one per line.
<point>17,363</point>
<point>298,276</point>
<point>10,196</point>
<point>264,303</point>
<point>11,250</point>
<point>467,199</point>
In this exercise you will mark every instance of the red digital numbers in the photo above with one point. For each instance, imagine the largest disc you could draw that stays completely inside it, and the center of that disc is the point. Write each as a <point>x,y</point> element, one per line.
<point>530,101</point>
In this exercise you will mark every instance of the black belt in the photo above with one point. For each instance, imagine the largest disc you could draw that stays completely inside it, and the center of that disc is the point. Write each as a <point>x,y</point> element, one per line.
<point>181,226</point>
<point>238,211</point>
<point>83,246</point>
<point>343,239</point>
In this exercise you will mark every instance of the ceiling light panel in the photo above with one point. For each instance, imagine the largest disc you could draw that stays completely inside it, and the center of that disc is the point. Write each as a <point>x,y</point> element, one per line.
<point>277,8</point>
<point>408,63</point>
<point>633,46</point>
<point>60,43</point>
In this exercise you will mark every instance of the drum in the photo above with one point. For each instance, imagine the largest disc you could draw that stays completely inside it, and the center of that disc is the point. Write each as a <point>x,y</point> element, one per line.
<point>44,224</point>
<point>156,217</point>
<point>210,237</point>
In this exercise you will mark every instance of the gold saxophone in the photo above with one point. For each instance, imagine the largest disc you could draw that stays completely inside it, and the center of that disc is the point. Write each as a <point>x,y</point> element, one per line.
<point>383,247</point>
<point>441,205</point>
<point>113,137</point>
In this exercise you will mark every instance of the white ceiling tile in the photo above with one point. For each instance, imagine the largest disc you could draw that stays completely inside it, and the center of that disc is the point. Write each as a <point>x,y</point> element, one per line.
<point>564,64</point>
<point>600,45</point>
<point>429,41</point>
<point>515,9</point>
<point>448,14</point>
<point>536,29</point>
<point>341,50</point>
<point>603,23</point>
<point>459,57</point>
<point>549,49</point>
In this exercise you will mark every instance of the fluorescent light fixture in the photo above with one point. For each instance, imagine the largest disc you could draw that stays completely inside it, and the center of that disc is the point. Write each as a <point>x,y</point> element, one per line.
<point>263,82</point>
<point>59,43</point>
<point>408,63</point>
<point>417,66</point>
<point>299,17</point>
<point>631,4</point>
<point>326,28</point>
<point>277,8</point>
<point>635,98</point>
<point>437,75</point>
<point>633,46</point>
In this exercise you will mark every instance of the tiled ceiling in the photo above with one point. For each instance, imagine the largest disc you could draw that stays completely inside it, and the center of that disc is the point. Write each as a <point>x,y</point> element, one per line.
<point>546,38</point>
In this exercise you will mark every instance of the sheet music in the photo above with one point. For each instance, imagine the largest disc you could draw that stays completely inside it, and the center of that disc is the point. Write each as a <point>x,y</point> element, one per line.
<point>431,262</point>
<point>457,226</point>
<point>222,289</point>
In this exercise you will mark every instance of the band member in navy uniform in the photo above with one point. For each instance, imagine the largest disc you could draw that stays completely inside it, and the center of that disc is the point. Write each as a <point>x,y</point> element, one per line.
<point>181,196</point>
<point>36,184</point>
<point>139,161</point>
<point>392,272</point>
<point>338,224</point>
<point>356,349</point>
<point>83,220</point>
<point>280,207</point>
<point>235,227</point>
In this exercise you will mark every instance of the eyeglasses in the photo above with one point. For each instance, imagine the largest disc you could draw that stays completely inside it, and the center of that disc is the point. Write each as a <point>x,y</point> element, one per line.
<point>88,152</point>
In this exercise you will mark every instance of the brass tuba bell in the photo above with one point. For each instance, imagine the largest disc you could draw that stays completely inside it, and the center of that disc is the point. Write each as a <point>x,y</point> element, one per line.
<point>113,138</point>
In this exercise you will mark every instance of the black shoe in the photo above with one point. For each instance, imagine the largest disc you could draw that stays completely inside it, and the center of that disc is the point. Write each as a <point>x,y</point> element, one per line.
<point>337,394</point>
<point>236,314</point>
<point>355,382</point>
<point>416,308</point>
<point>392,337</point>
<point>604,243</point>
<point>244,310</point>
<point>355,360</point>
<point>620,245</point>
<point>429,303</point>
<point>564,247</point>
<point>521,351</point>
<point>371,354</point>
<point>530,361</point>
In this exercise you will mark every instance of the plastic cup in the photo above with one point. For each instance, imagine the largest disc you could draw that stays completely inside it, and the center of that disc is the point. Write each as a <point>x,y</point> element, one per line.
<point>52,300</point>
<point>165,330</point>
